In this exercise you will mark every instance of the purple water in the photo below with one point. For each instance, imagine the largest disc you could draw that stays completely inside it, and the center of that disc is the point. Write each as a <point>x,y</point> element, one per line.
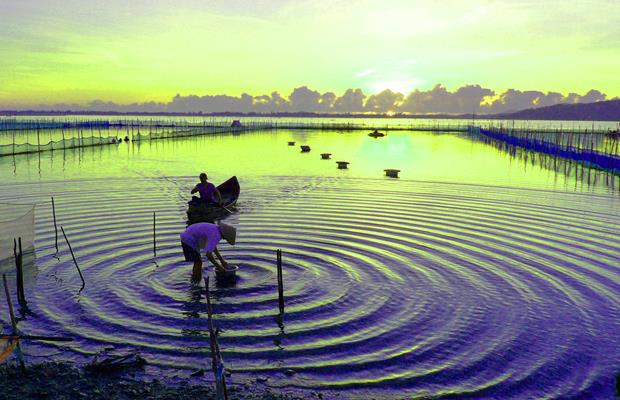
<point>393,287</point>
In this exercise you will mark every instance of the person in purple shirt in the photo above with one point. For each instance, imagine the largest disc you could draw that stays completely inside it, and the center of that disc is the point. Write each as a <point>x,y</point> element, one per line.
<point>208,192</point>
<point>205,236</point>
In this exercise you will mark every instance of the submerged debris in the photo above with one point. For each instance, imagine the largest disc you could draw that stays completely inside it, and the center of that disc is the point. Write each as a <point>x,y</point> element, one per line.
<point>116,363</point>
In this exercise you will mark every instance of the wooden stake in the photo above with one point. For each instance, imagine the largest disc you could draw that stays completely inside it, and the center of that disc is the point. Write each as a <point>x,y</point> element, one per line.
<point>17,274</point>
<point>55,226</point>
<point>10,304</point>
<point>154,237</point>
<point>210,325</point>
<point>280,282</point>
<point>21,269</point>
<point>74,260</point>
<point>216,359</point>
<point>21,296</point>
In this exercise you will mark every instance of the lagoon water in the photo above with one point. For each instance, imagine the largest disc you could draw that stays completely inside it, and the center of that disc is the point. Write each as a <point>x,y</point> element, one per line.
<point>476,274</point>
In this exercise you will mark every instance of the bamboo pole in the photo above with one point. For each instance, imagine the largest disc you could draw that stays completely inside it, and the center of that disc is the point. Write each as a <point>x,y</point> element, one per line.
<point>210,325</point>
<point>280,281</point>
<point>55,225</point>
<point>216,359</point>
<point>154,237</point>
<point>10,304</point>
<point>74,260</point>
<point>21,297</point>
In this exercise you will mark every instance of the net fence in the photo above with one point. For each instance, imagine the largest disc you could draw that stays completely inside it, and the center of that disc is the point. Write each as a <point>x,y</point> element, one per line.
<point>69,143</point>
<point>16,221</point>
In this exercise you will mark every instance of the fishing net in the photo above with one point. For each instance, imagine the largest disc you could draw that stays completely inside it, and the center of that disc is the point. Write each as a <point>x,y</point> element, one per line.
<point>185,132</point>
<point>16,221</point>
<point>70,143</point>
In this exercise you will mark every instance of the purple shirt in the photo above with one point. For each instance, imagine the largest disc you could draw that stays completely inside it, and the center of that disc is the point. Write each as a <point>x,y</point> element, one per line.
<point>202,235</point>
<point>206,191</point>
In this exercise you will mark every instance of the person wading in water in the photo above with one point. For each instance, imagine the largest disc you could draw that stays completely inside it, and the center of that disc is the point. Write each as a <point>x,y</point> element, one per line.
<point>206,236</point>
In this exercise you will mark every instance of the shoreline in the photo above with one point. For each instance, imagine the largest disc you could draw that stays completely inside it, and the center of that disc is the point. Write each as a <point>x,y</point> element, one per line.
<point>62,380</point>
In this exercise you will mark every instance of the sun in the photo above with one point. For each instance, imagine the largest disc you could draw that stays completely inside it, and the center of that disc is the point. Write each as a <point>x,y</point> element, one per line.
<point>398,86</point>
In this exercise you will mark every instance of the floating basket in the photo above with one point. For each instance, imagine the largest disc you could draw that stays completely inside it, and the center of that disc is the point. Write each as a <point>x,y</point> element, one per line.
<point>392,173</point>
<point>342,164</point>
<point>326,156</point>
<point>229,276</point>
<point>305,148</point>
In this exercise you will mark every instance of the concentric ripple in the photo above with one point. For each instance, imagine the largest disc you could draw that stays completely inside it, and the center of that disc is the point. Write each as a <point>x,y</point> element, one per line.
<point>414,288</point>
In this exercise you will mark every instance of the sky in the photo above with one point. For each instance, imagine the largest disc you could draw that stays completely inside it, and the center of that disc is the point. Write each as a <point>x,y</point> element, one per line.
<point>74,52</point>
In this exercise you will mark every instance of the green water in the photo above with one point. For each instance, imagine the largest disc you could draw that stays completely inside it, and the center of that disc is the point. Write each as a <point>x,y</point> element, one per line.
<point>419,156</point>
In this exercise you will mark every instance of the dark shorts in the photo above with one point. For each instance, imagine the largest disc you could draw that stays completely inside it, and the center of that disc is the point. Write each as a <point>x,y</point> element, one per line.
<point>190,254</point>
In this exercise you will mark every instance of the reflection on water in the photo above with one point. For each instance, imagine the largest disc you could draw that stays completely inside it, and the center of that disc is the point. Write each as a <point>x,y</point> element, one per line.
<point>475,274</point>
<point>420,156</point>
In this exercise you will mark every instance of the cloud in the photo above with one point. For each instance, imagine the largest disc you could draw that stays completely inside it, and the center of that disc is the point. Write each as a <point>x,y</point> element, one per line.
<point>304,99</point>
<point>366,72</point>
<point>515,100</point>
<point>351,101</point>
<point>438,100</point>
<point>384,101</point>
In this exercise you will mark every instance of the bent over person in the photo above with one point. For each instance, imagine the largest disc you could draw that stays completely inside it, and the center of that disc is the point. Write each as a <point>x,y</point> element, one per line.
<point>205,236</point>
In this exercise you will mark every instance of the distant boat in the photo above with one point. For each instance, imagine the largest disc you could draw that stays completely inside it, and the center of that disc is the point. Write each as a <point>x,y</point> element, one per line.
<point>209,212</point>
<point>376,134</point>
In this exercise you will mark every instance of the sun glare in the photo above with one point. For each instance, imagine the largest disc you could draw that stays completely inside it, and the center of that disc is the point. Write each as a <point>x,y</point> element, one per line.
<point>404,86</point>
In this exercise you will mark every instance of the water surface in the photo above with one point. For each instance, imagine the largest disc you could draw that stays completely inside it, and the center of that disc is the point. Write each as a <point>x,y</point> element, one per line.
<point>475,274</point>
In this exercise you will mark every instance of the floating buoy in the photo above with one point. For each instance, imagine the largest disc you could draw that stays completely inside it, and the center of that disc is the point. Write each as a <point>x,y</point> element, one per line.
<point>342,164</point>
<point>305,148</point>
<point>392,173</point>
<point>325,156</point>
<point>291,143</point>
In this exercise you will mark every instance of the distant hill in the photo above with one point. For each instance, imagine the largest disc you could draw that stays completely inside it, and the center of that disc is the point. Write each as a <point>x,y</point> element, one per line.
<point>600,111</point>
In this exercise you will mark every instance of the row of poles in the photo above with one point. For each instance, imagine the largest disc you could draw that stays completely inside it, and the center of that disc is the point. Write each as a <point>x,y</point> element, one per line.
<point>567,146</point>
<point>277,123</point>
<point>20,125</point>
<point>607,144</point>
